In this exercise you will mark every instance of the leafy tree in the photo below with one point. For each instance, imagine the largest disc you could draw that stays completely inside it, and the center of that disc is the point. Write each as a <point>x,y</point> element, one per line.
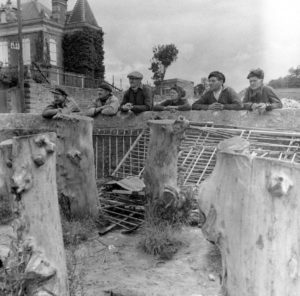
<point>163,57</point>
<point>290,81</point>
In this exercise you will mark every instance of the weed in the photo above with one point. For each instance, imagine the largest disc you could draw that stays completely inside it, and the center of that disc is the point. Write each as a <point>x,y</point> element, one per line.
<point>160,239</point>
<point>13,280</point>
<point>76,231</point>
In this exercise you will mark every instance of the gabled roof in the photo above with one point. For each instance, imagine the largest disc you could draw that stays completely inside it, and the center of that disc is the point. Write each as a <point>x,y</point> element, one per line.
<point>34,9</point>
<point>82,13</point>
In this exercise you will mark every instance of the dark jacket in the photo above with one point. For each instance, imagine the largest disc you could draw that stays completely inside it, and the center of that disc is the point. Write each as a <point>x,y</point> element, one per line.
<point>264,94</point>
<point>183,104</point>
<point>228,97</point>
<point>141,99</point>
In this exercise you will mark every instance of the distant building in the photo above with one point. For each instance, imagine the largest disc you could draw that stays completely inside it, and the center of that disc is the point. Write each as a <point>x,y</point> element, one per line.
<point>166,85</point>
<point>43,30</point>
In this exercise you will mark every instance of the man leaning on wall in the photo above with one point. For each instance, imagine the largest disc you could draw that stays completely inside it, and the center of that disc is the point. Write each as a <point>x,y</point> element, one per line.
<point>138,98</point>
<point>258,96</point>
<point>105,104</point>
<point>218,97</point>
<point>62,104</point>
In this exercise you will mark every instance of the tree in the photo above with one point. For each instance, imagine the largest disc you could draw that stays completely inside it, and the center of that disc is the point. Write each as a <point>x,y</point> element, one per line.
<point>163,57</point>
<point>290,81</point>
<point>295,72</point>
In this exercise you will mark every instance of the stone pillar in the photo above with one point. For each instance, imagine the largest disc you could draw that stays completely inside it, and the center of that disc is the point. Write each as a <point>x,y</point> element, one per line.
<point>160,174</point>
<point>33,249</point>
<point>252,207</point>
<point>75,167</point>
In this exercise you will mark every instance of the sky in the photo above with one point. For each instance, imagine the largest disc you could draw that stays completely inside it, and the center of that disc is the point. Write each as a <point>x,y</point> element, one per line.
<point>232,36</point>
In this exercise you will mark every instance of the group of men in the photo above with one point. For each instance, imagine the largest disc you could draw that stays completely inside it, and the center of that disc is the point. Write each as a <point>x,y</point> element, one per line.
<point>138,98</point>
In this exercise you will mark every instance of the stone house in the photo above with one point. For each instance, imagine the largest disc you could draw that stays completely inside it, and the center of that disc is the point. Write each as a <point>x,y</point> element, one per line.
<point>165,86</point>
<point>43,30</point>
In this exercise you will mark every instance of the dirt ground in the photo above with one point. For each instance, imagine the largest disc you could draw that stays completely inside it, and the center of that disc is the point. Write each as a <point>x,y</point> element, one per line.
<point>114,265</point>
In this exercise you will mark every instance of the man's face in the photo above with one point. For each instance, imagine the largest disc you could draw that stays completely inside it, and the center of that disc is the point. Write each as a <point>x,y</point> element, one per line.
<point>134,82</point>
<point>59,99</point>
<point>173,94</point>
<point>102,93</point>
<point>255,82</point>
<point>214,83</point>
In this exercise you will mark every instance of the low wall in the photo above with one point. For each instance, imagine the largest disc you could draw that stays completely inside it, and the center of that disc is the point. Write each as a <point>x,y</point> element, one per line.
<point>285,119</point>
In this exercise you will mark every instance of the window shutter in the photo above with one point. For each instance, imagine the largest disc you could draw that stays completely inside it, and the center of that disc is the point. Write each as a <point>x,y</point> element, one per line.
<point>53,52</point>
<point>4,53</point>
<point>26,52</point>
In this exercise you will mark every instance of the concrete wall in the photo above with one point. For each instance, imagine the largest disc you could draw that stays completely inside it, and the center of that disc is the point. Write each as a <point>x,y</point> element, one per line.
<point>286,119</point>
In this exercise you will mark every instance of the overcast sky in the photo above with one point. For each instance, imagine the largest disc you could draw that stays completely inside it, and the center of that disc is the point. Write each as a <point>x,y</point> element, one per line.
<point>232,36</point>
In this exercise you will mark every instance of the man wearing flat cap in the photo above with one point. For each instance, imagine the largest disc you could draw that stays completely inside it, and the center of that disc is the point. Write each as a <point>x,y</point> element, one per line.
<point>105,104</point>
<point>259,96</point>
<point>218,97</point>
<point>138,97</point>
<point>62,104</point>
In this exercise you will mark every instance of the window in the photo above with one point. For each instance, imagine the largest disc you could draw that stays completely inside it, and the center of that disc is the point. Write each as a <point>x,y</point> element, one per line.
<point>4,52</point>
<point>53,52</point>
<point>26,52</point>
<point>3,18</point>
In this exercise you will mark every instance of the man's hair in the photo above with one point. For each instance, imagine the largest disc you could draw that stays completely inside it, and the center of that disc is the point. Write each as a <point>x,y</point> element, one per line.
<point>259,73</point>
<point>218,75</point>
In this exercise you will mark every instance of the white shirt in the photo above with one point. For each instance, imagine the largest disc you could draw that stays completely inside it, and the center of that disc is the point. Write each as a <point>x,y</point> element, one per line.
<point>217,93</point>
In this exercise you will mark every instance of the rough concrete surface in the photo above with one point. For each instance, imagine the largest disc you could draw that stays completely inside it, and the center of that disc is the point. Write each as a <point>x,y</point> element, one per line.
<point>285,119</point>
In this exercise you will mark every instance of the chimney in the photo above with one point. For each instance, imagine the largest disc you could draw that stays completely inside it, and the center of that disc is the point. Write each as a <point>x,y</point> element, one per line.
<point>59,11</point>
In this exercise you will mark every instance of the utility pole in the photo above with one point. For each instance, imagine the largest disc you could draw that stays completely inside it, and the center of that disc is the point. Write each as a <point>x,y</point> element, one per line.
<point>21,64</point>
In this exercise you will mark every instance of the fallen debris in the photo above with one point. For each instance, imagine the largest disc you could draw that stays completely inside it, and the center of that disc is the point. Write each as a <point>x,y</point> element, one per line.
<point>122,203</point>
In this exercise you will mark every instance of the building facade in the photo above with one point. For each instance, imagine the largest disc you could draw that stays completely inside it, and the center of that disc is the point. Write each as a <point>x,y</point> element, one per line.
<point>166,85</point>
<point>42,31</point>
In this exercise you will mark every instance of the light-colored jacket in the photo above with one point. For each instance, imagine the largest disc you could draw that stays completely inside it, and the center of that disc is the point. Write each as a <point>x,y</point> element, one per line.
<point>112,105</point>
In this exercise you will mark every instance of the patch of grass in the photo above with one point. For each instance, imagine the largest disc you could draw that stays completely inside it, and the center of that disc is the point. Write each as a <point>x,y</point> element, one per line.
<point>76,231</point>
<point>161,239</point>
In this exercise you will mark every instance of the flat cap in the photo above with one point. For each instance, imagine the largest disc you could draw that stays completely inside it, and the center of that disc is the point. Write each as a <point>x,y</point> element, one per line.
<point>259,73</point>
<point>135,74</point>
<point>59,91</point>
<point>105,86</point>
<point>219,75</point>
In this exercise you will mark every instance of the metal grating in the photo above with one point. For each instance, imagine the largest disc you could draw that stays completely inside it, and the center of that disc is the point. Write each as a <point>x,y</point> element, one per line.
<point>133,162</point>
<point>110,147</point>
<point>197,157</point>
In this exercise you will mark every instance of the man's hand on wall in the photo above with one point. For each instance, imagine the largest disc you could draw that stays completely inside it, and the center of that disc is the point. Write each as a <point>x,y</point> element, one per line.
<point>127,107</point>
<point>260,107</point>
<point>216,106</point>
